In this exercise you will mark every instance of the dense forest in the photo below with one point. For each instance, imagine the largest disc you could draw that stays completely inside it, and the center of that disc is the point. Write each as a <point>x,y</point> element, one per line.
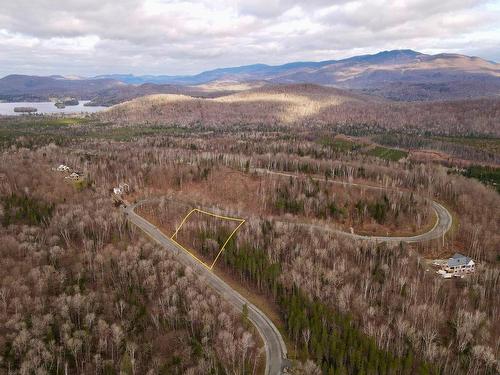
<point>437,342</point>
<point>84,291</point>
<point>321,272</point>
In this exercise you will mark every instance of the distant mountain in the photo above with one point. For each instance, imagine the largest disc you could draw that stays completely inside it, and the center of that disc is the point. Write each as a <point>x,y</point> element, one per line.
<point>265,72</point>
<point>23,88</point>
<point>241,73</point>
<point>138,80</point>
<point>402,75</point>
<point>397,75</point>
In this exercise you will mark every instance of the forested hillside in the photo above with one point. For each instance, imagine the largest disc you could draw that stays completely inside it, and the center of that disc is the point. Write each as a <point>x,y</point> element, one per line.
<point>312,106</point>
<point>84,290</point>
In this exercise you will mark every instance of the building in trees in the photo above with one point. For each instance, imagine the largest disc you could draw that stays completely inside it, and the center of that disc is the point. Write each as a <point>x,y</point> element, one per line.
<point>457,265</point>
<point>63,168</point>
<point>122,188</point>
<point>75,176</point>
<point>460,263</point>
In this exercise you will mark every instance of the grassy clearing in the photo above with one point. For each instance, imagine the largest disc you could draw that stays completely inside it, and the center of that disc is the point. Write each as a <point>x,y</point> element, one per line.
<point>50,122</point>
<point>47,123</point>
<point>66,121</point>
<point>389,154</point>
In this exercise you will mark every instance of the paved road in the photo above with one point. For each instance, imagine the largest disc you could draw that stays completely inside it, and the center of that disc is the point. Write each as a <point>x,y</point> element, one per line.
<point>273,342</point>
<point>274,345</point>
<point>443,222</point>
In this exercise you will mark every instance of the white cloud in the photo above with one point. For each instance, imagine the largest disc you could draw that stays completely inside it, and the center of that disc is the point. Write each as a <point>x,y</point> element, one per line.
<point>187,36</point>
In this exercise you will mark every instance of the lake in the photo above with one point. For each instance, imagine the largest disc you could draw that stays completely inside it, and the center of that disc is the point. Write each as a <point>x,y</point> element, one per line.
<point>48,108</point>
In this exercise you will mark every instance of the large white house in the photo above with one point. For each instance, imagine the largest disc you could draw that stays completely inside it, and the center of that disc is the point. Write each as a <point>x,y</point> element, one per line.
<point>459,263</point>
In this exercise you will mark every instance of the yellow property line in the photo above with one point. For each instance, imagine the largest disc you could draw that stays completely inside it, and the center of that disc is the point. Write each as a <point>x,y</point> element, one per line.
<point>241,222</point>
<point>190,253</point>
<point>225,243</point>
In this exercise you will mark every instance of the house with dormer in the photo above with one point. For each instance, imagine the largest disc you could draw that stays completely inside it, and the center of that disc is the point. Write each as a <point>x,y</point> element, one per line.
<point>459,264</point>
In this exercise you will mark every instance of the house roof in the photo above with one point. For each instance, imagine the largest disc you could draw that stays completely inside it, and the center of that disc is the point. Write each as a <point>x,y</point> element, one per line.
<point>458,260</point>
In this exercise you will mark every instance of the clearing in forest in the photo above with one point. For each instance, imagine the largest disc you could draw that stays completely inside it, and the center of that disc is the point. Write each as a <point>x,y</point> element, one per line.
<point>385,153</point>
<point>208,233</point>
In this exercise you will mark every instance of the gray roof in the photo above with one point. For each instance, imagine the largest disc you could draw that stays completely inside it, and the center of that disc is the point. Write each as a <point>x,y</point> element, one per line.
<point>458,260</point>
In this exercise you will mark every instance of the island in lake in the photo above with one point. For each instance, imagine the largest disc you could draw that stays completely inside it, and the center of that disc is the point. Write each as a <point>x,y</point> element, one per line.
<point>25,109</point>
<point>62,103</point>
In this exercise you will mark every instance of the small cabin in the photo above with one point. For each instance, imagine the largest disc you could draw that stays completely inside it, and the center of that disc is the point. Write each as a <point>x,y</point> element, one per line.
<point>63,168</point>
<point>122,188</point>
<point>74,176</point>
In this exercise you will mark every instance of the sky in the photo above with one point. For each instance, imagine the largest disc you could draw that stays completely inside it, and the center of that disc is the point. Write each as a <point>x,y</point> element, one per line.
<point>92,37</point>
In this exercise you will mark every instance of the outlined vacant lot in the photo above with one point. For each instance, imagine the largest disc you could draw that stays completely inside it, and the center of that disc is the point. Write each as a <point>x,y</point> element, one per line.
<point>239,222</point>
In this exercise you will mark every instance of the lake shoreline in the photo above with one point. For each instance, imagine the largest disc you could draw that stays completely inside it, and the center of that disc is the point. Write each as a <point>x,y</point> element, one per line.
<point>48,108</point>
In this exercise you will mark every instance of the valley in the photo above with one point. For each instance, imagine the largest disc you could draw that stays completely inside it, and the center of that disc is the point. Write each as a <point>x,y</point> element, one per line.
<point>286,201</point>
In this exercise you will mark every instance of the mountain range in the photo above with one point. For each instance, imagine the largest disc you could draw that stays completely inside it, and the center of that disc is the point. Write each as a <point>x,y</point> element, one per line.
<point>402,75</point>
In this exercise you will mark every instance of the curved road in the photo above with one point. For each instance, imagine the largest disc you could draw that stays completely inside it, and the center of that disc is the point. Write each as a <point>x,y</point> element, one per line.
<point>443,222</point>
<point>274,345</point>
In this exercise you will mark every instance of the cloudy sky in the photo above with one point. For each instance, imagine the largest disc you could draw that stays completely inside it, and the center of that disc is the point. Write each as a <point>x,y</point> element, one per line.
<point>179,37</point>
